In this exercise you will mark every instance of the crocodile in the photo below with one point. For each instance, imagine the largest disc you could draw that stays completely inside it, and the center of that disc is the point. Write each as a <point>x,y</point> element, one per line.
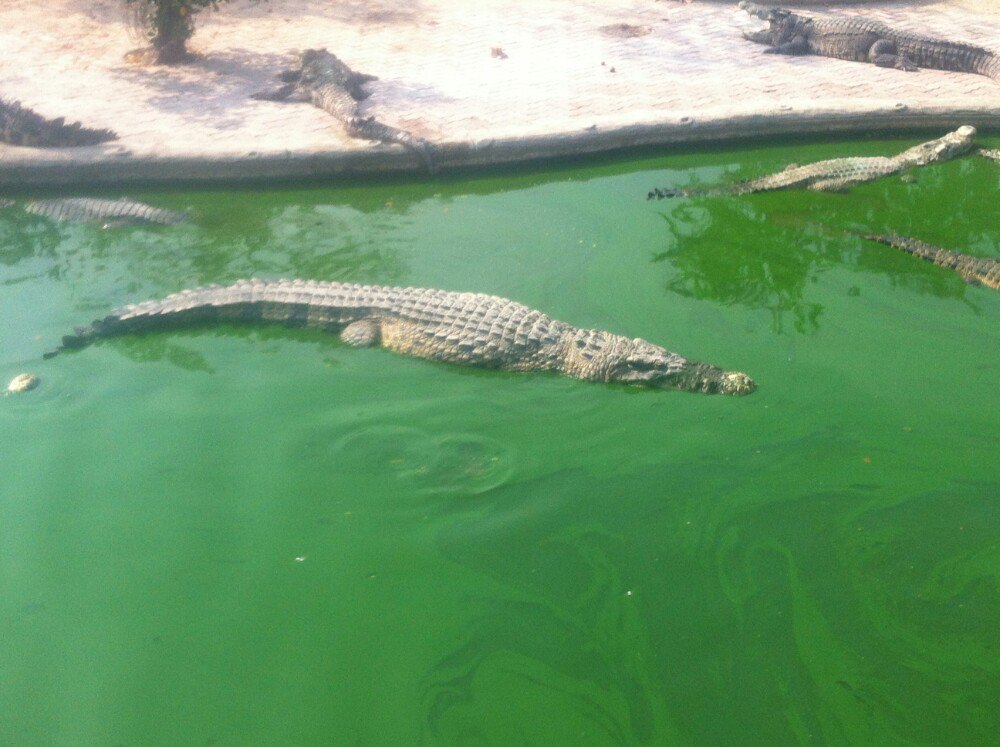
<point>22,126</point>
<point>471,329</point>
<point>865,40</point>
<point>993,153</point>
<point>325,81</point>
<point>838,174</point>
<point>111,213</point>
<point>974,270</point>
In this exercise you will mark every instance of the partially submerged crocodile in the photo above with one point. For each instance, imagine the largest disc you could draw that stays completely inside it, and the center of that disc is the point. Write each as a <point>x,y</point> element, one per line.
<point>840,173</point>
<point>21,126</point>
<point>866,40</point>
<point>974,270</point>
<point>324,80</point>
<point>110,213</point>
<point>471,329</point>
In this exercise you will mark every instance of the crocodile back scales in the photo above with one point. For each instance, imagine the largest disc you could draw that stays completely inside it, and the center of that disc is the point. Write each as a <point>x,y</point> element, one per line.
<point>850,38</point>
<point>83,209</point>
<point>476,328</point>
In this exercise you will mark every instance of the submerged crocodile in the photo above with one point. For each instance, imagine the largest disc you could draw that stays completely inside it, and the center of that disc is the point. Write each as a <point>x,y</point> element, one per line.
<point>865,40</point>
<point>21,126</point>
<point>111,213</point>
<point>324,80</point>
<point>974,270</point>
<point>840,173</point>
<point>472,329</point>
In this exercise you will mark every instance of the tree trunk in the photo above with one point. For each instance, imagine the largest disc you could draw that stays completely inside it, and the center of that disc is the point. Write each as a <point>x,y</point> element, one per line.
<point>174,26</point>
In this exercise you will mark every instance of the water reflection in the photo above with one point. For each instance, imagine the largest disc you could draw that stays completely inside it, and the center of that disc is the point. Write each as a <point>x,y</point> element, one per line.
<point>25,237</point>
<point>771,251</point>
<point>748,268</point>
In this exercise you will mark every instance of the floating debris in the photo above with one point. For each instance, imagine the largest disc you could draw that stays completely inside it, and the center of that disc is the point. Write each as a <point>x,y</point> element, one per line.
<point>22,383</point>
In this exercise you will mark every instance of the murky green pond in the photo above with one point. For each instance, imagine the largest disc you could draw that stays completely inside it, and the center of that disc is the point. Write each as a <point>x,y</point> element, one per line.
<point>261,536</point>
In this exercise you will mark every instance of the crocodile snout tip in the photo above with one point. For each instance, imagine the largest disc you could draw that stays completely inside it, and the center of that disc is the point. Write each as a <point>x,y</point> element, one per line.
<point>735,382</point>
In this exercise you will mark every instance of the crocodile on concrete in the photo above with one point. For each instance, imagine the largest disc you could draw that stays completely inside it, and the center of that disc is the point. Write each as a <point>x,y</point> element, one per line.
<point>838,174</point>
<point>21,126</point>
<point>974,270</point>
<point>865,40</point>
<point>110,213</point>
<point>324,80</point>
<point>471,329</point>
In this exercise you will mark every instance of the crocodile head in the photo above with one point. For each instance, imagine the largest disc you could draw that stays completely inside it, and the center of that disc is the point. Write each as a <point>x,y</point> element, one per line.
<point>764,12</point>
<point>772,26</point>
<point>642,363</point>
<point>944,148</point>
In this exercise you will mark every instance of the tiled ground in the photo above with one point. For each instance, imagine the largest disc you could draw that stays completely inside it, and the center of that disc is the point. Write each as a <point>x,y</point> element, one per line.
<point>578,75</point>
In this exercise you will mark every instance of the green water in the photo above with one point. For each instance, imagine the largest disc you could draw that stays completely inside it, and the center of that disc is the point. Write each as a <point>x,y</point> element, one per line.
<point>261,536</point>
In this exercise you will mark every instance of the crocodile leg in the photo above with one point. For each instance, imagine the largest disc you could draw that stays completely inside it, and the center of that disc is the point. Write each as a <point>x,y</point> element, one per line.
<point>355,82</point>
<point>289,92</point>
<point>885,54</point>
<point>759,37</point>
<point>795,46</point>
<point>361,334</point>
<point>832,185</point>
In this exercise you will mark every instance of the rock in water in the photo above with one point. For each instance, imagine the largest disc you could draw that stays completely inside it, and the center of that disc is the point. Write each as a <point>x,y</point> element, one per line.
<point>22,383</point>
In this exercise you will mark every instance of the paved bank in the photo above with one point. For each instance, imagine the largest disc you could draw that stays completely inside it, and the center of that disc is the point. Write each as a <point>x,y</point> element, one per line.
<point>575,76</point>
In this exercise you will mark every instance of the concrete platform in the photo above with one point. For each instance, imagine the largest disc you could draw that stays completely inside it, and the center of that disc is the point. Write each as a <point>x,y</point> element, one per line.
<point>577,76</point>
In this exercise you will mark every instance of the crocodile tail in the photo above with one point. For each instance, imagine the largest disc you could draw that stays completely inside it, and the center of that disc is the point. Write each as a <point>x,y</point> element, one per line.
<point>83,336</point>
<point>882,238</point>
<point>22,126</point>
<point>659,194</point>
<point>936,254</point>
<point>180,309</point>
<point>990,67</point>
<point>918,248</point>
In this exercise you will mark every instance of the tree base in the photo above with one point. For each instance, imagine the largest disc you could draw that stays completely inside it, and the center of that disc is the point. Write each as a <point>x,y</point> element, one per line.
<point>172,55</point>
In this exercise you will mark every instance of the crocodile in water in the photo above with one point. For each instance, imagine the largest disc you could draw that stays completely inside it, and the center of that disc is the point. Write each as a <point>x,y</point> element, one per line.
<point>110,213</point>
<point>865,40</point>
<point>471,329</point>
<point>974,270</point>
<point>840,173</point>
<point>324,80</point>
<point>21,126</point>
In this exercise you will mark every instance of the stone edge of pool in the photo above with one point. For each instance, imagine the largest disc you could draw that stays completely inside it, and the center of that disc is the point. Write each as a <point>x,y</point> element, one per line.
<point>114,164</point>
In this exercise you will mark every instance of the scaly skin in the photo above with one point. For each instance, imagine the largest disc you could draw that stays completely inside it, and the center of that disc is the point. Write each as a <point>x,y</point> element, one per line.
<point>21,126</point>
<point>993,153</point>
<point>974,270</point>
<point>110,212</point>
<point>471,329</point>
<point>838,174</point>
<point>865,40</point>
<point>331,85</point>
